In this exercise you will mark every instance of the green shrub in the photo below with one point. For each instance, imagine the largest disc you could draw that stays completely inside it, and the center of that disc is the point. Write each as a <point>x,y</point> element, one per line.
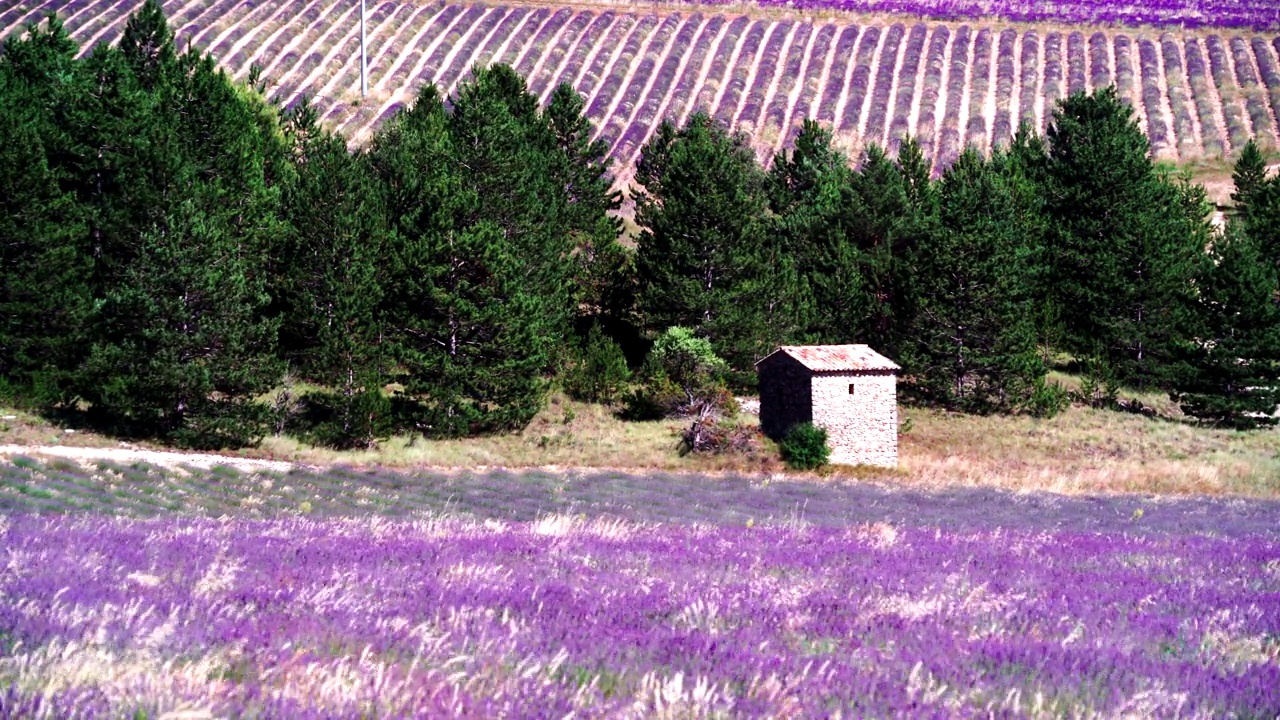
<point>348,422</point>
<point>805,447</point>
<point>689,362</point>
<point>1047,399</point>
<point>598,371</point>
<point>681,377</point>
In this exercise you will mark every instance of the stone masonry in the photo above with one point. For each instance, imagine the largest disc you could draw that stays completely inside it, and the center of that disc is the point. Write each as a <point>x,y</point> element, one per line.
<point>848,390</point>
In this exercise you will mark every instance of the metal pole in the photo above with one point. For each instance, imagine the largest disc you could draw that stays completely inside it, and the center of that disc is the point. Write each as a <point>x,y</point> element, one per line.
<point>364,75</point>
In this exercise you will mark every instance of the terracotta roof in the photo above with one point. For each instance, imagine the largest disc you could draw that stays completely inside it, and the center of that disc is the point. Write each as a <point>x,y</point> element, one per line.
<point>829,358</point>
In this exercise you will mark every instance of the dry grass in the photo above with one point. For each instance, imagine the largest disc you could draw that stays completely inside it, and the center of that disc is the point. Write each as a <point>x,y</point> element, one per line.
<point>1080,451</point>
<point>565,434</point>
<point>1088,451</point>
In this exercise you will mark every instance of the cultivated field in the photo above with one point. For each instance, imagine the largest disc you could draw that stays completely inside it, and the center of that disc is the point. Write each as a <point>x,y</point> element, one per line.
<point>346,593</point>
<point>1199,93</point>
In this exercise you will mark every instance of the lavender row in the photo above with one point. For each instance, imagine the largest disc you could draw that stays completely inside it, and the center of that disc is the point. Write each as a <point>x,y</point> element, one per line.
<point>1254,100</point>
<point>645,109</point>
<point>1237,130</point>
<point>979,83</point>
<point>1179,104</point>
<point>719,69</point>
<point>1030,79</point>
<point>685,90</point>
<point>1002,127</point>
<point>935,68</point>
<point>140,490</point>
<point>1124,68</point>
<point>1202,93</point>
<point>949,137</point>
<point>817,62</point>
<point>791,77</point>
<point>544,78</point>
<point>906,93</point>
<point>624,87</point>
<point>1267,68</point>
<point>1157,131</point>
<point>739,77</point>
<point>1257,14</point>
<point>881,92</point>
<point>762,70</point>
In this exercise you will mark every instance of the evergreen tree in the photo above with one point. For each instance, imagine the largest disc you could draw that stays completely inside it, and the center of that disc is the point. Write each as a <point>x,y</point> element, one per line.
<point>512,159</point>
<point>1234,377</point>
<point>182,349</point>
<point>125,163</point>
<point>703,256</point>
<point>332,262</point>
<point>182,211</point>
<point>44,290</point>
<point>1249,176</point>
<point>1126,240</point>
<point>1257,203</point>
<point>602,269</point>
<point>598,370</point>
<point>466,320</point>
<point>973,343</point>
<point>810,192</point>
<point>1024,166</point>
<point>915,178</point>
<point>587,180</point>
<point>147,45</point>
<point>892,222</point>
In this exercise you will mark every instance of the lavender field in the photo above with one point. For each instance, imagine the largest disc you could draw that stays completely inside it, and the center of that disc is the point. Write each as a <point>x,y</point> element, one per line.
<point>1199,92</point>
<point>136,591</point>
<point>1260,14</point>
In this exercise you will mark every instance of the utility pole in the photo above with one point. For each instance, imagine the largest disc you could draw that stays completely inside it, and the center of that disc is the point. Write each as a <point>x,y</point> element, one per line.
<point>364,67</point>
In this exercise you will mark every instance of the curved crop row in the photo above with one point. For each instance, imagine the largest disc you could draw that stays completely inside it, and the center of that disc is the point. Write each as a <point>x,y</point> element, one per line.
<point>1194,94</point>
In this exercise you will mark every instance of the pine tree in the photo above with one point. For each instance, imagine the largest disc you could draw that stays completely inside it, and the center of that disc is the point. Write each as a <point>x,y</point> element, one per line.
<point>1024,165</point>
<point>915,178</point>
<point>1126,240</point>
<point>1257,202</point>
<point>511,158</point>
<point>890,226</point>
<point>182,210</point>
<point>124,163</point>
<point>332,262</point>
<point>810,192</point>
<point>44,271</point>
<point>147,45</point>
<point>1249,176</point>
<point>466,320</point>
<point>181,349</point>
<point>973,342</point>
<point>703,256</point>
<point>1234,374</point>
<point>586,171</point>
<point>602,269</point>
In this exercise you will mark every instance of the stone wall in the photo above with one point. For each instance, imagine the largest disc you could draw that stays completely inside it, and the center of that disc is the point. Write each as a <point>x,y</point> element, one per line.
<point>784,395</point>
<point>862,428</point>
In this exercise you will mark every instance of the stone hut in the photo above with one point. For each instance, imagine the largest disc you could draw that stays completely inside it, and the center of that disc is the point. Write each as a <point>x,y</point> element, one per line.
<point>848,390</point>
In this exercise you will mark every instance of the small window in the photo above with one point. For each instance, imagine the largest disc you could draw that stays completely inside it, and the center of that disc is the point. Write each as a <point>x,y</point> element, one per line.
<point>851,388</point>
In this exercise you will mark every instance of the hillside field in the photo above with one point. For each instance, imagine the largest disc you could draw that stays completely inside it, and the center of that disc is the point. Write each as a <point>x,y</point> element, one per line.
<point>1198,93</point>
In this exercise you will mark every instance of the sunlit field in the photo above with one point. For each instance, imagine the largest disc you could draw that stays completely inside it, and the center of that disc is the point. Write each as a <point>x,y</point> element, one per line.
<point>136,591</point>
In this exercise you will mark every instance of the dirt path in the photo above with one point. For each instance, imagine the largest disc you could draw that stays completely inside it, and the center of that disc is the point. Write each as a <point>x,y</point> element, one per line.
<point>154,457</point>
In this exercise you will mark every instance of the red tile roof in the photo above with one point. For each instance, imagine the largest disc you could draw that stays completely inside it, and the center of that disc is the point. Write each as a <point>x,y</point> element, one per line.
<point>836,358</point>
